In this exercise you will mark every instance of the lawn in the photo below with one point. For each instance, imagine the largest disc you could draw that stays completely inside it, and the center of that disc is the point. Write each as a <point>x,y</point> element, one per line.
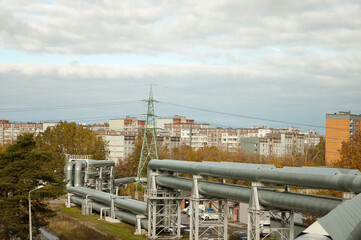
<point>70,224</point>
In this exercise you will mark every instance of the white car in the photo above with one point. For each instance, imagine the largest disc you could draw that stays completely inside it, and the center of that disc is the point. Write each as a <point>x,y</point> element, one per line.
<point>206,215</point>
<point>187,209</point>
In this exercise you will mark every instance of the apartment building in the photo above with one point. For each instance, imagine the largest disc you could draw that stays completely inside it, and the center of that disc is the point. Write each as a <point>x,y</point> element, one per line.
<point>179,131</point>
<point>129,125</point>
<point>116,146</point>
<point>9,131</point>
<point>339,128</point>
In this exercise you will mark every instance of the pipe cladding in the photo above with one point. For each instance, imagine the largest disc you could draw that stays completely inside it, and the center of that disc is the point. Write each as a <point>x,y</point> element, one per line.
<point>127,217</point>
<point>120,202</point>
<point>341,182</point>
<point>270,198</point>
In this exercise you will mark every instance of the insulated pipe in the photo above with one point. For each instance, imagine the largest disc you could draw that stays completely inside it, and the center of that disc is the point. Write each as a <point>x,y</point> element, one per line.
<point>124,203</point>
<point>100,163</point>
<point>69,174</point>
<point>122,215</point>
<point>78,173</point>
<point>126,180</point>
<point>80,164</point>
<point>269,198</point>
<point>241,165</point>
<point>120,181</point>
<point>342,182</point>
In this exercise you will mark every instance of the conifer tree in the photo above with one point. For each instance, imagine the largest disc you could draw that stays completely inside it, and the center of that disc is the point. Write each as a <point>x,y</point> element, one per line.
<point>21,170</point>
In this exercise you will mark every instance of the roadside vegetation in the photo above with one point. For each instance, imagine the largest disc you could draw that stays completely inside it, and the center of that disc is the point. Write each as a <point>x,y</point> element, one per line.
<point>70,224</point>
<point>34,161</point>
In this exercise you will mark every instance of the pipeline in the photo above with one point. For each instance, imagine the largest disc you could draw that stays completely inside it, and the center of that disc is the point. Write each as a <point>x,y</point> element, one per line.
<point>120,202</point>
<point>341,182</point>
<point>124,216</point>
<point>267,174</point>
<point>269,198</point>
<point>126,180</point>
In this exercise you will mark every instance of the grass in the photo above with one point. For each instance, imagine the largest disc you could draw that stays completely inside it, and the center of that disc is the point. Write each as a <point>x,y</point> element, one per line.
<point>70,224</point>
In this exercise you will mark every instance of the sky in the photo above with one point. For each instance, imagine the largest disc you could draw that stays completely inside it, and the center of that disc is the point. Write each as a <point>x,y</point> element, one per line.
<point>229,63</point>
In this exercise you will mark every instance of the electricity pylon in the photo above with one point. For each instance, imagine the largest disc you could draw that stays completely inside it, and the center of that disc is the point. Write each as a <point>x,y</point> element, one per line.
<point>149,147</point>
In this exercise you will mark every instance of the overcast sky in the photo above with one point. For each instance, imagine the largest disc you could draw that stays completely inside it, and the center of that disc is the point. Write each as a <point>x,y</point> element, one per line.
<point>89,61</point>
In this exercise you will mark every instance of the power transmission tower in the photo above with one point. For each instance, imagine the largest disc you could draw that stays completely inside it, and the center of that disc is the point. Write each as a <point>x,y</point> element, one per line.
<point>149,148</point>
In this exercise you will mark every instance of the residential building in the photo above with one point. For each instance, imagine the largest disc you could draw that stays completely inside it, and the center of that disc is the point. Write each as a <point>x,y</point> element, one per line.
<point>129,125</point>
<point>9,131</point>
<point>339,128</point>
<point>116,146</point>
<point>271,145</point>
<point>250,145</point>
<point>179,131</point>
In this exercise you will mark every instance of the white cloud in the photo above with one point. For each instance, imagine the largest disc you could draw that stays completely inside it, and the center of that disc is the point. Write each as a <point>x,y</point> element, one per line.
<point>289,88</point>
<point>293,60</point>
<point>154,27</point>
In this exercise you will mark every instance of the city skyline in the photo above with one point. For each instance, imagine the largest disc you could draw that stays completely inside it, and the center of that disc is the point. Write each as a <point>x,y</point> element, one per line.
<point>285,61</point>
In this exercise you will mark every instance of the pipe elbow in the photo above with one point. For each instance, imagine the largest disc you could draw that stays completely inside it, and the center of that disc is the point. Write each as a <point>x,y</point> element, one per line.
<point>78,173</point>
<point>69,174</point>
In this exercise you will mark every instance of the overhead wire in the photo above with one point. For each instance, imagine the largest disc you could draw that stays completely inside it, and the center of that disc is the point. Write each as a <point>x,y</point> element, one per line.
<point>249,117</point>
<point>86,105</point>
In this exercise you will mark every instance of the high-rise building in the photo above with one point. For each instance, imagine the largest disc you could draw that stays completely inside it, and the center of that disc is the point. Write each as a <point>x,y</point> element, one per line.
<point>339,127</point>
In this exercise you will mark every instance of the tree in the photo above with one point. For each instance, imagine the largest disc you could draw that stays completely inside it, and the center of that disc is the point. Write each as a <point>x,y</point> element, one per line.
<point>22,168</point>
<point>315,155</point>
<point>129,166</point>
<point>3,148</point>
<point>69,138</point>
<point>350,153</point>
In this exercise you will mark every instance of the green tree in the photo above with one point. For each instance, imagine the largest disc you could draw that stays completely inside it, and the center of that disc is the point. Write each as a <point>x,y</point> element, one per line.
<point>350,153</point>
<point>21,170</point>
<point>69,138</point>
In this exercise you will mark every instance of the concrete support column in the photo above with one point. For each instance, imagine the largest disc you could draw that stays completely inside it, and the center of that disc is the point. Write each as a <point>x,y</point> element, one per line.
<point>138,225</point>
<point>68,200</point>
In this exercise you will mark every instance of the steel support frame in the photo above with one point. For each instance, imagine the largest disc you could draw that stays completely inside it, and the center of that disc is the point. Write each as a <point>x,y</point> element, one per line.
<point>207,229</point>
<point>255,211</point>
<point>87,206</point>
<point>102,181</point>
<point>164,212</point>
<point>68,200</point>
<point>286,230</point>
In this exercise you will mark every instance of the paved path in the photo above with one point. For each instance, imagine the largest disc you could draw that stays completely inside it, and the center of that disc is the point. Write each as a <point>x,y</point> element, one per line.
<point>46,235</point>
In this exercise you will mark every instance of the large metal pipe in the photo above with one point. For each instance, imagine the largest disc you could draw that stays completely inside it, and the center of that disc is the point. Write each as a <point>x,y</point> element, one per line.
<point>127,217</point>
<point>78,173</point>
<point>342,182</point>
<point>126,180</point>
<point>269,198</point>
<point>120,181</point>
<point>100,163</point>
<point>120,202</point>
<point>69,178</point>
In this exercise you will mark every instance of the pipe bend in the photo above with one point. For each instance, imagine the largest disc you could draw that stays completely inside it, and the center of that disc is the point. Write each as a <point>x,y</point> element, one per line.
<point>78,173</point>
<point>69,175</point>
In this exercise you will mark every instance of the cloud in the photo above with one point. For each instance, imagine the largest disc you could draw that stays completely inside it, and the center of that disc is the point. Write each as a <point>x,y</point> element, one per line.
<point>155,27</point>
<point>287,60</point>
<point>288,88</point>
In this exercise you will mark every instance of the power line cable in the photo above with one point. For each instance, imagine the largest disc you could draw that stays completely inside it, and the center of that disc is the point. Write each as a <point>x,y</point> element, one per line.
<point>75,91</point>
<point>87,105</point>
<point>248,117</point>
